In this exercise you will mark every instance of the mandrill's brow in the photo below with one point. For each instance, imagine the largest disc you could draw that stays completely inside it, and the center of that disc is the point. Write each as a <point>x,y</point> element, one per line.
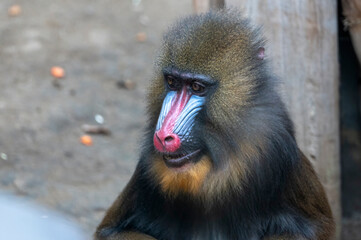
<point>188,76</point>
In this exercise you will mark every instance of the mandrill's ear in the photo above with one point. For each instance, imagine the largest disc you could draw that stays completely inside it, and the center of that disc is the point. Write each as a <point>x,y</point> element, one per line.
<point>261,53</point>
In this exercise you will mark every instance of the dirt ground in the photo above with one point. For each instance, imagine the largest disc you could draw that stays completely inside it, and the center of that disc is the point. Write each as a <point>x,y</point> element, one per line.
<point>40,125</point>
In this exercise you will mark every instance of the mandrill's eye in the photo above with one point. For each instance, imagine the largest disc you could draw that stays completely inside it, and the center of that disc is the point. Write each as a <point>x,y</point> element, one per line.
<point>172,83</point>
<point>198,88</point>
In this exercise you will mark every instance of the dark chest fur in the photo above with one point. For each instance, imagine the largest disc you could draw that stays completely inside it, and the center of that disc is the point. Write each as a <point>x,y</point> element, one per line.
<point>238,218</point>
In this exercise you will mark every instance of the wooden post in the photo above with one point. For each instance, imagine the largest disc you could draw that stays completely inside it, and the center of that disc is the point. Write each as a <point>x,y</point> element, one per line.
<point>302,43</point>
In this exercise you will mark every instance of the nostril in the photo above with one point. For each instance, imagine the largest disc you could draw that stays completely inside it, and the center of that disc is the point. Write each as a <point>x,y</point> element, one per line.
<point>166,142</point>
<point>169,139</point>
<point>172,142</point>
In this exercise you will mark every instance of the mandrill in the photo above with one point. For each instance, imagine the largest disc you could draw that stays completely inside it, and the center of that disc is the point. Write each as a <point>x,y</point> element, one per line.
<point>220,159</point>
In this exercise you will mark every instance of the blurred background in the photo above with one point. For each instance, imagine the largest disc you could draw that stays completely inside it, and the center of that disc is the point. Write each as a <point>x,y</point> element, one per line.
<point>73,80</point>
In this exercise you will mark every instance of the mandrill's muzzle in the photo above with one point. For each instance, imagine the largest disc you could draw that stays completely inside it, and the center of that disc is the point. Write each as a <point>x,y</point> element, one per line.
<point>176,120</point>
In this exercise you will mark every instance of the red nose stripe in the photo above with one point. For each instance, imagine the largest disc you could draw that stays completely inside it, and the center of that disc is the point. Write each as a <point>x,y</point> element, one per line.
<point>164,139</point>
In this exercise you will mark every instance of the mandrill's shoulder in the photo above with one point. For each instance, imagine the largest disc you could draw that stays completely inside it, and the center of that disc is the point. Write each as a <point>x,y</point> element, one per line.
<point>305,192</point>
<point>307,189</point>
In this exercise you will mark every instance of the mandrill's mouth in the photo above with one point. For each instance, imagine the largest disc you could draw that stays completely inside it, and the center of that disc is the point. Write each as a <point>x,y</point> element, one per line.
<point>180,160</point>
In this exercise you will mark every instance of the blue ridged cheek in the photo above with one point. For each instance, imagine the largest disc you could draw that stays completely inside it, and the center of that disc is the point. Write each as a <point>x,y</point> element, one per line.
<point>186,119</point>
<point>167,104</point>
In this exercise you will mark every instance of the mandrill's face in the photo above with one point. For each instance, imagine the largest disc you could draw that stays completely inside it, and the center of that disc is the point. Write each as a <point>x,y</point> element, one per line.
<point>176,135</point>
<point>208,79</point>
